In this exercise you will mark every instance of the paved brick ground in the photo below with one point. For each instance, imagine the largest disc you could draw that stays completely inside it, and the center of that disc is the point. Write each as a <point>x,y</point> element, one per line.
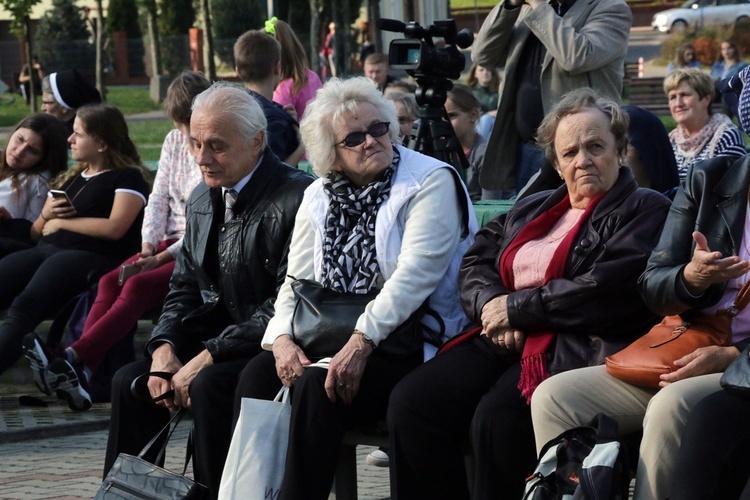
<point>50,452</point>
<point>70,467</point>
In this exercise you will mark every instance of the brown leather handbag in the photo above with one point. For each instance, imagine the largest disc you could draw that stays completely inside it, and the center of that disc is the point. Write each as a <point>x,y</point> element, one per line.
<point>642,362</point>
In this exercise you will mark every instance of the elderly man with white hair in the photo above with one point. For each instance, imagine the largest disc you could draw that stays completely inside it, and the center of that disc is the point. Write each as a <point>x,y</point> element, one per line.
<point>222,292</point>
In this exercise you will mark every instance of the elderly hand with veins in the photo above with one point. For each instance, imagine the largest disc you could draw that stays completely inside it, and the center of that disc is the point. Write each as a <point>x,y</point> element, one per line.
<point>496,326</point>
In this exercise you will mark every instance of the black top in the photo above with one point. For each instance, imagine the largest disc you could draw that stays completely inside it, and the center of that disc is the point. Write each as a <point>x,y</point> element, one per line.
<point>94,197</point>
<point>281,129</point>
<point>529,92</point>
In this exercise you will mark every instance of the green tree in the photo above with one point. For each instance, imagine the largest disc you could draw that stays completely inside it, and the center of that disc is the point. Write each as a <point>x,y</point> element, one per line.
<point>176,17</point>
<point>230,19</point>
<point>62,38</point>
<point>19,10</point>
<point>122,15</point>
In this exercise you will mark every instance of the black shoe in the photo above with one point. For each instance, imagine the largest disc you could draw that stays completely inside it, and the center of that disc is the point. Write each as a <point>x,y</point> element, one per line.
<point>38,355</point>
<point>68,383</point>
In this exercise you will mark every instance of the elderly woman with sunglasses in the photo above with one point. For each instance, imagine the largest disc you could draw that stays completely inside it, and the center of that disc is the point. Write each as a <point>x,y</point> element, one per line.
<point>379,218</point>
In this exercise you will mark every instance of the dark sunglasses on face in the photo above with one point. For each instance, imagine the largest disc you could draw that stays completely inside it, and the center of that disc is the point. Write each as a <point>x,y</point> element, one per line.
<point>357,138</point>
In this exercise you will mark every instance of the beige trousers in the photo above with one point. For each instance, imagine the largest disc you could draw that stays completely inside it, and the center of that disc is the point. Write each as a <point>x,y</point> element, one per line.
<point>572,398</point>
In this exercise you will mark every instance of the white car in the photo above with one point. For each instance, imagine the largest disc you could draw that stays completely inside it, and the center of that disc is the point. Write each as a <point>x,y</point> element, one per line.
<point>700,13</point>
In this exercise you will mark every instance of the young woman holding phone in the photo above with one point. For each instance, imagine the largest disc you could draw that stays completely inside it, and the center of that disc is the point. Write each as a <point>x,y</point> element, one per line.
<point>91,234</point>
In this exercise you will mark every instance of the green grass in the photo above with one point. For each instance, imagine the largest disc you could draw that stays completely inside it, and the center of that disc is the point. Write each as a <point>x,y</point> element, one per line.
<point>469,4</point>
<point>130,100</point>
<point>13,112</point>
<point>148,136</point>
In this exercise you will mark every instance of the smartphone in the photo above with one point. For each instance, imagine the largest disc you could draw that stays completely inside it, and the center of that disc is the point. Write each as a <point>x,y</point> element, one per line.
<point>126,271</point>
<point>57,194</point>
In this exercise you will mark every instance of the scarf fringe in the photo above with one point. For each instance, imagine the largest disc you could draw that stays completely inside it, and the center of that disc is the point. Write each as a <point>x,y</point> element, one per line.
<point>533,373</point>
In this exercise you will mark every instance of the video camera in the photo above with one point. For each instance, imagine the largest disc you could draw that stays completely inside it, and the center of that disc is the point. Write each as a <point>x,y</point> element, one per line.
<point>433,67</point>
<point>417,53</point>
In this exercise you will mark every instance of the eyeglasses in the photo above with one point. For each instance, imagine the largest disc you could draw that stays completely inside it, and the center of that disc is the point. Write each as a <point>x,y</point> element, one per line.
<point>357,138</point>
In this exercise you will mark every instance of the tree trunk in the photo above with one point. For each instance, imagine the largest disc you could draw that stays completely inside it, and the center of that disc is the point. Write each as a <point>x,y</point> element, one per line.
<point>345,43</point>
<point>374,16</point>
<point>30,62</point>
<point>209,40</point>
<point>340,51</point>
<point>153,33</point>
<point>100,85</point>
<point>315,47</point>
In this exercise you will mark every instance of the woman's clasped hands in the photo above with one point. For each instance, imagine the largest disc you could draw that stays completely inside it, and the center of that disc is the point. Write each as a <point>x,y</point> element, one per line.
<point>495,325</point>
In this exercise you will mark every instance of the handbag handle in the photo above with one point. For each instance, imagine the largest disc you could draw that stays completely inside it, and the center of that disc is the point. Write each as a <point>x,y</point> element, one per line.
<point>176,417</point>
<point>742,299</point>
<point>139,387</point>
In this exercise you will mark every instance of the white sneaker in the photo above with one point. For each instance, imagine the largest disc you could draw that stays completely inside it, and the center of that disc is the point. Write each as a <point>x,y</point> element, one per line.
<point>378,458</point>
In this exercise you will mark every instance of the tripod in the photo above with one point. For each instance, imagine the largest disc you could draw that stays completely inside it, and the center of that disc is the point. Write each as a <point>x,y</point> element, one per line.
<point>434,134</point>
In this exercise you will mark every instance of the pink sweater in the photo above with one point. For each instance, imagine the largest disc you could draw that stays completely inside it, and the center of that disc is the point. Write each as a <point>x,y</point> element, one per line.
<point>283,93</point>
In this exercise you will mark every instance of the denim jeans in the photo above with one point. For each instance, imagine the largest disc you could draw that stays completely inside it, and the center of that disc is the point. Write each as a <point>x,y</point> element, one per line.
<point>529,160</point>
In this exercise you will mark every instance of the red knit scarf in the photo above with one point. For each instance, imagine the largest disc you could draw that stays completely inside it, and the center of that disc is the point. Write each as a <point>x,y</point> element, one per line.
<point>533,359</point>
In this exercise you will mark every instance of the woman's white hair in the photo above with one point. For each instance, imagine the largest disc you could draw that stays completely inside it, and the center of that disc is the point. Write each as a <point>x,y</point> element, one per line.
<point>223,97</point>
<point>339,98</point>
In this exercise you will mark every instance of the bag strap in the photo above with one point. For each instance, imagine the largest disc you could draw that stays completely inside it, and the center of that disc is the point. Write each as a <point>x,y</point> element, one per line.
<point>139,387</point>
<point>742,299</point>
<point>605,427</point>
<point>188,451</point>
<point>431,336</point>
<point>176,419</point>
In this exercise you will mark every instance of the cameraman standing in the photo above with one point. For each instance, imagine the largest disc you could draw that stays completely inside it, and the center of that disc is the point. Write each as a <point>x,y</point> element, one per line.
<point>548,49</point>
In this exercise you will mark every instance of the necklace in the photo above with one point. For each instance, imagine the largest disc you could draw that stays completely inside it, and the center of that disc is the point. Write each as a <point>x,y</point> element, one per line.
<point>85,180</point>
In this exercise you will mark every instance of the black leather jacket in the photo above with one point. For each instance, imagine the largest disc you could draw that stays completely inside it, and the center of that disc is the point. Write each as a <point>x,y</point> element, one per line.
<point>713,201</point>
<point>595,309</point>
<point>229,309</point>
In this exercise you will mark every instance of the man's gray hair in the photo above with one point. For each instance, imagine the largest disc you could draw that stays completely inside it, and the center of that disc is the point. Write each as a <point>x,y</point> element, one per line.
<point>223,97</point>
<point>337,99</point>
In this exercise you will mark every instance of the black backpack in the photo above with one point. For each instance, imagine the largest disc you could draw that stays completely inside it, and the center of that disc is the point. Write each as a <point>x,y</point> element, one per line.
<point>586,462</point>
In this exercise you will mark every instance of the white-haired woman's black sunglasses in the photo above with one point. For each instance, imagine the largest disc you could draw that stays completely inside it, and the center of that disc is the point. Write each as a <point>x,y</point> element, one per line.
<point>357,138</point>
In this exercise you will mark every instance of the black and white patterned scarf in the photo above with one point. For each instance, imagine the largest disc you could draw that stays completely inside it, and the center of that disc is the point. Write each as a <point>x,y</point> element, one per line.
<point>349,258</point>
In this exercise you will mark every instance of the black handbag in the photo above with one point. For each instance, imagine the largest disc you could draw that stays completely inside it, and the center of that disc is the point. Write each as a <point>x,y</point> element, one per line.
<point>324,320</point>
<point>736,378</point>
<point>134,477</point>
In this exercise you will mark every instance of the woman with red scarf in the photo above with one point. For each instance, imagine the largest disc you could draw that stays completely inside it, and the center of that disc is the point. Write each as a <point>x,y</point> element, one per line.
<point>551,286</point>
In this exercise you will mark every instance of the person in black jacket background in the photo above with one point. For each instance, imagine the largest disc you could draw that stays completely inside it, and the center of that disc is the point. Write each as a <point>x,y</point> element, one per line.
<point>224,285</point>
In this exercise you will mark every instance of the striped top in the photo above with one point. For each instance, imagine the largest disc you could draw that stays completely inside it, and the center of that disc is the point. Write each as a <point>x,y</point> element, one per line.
<point>730,144</point>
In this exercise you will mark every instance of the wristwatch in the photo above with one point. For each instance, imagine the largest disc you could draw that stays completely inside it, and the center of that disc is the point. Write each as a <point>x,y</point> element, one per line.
<point>367,339</point>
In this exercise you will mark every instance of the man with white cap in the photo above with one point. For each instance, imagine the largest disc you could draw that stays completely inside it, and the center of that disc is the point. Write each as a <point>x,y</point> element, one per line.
<point>64,92</point>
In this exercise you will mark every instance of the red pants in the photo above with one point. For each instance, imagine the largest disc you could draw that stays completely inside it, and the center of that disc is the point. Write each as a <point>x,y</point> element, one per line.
<point>117,309</point>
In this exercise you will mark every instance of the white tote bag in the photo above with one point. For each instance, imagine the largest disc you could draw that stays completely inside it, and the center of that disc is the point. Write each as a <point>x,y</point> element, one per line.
<point>255,462</point>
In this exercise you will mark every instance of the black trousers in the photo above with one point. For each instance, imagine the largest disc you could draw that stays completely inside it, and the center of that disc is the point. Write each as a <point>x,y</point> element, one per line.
<point>36,284</point>
<point>317,426</point>
<point>469,391</point>
<point>714,458</point>
<point>135,422</point>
